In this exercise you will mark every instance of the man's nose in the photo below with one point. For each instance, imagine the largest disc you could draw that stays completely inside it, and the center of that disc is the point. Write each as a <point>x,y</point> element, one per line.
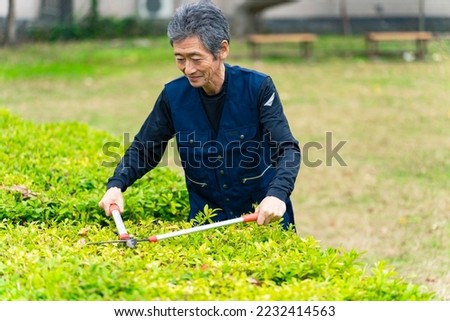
<point>189,68</point>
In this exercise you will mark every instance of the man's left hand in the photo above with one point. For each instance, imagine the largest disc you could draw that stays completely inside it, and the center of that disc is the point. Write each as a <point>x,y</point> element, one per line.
<point>270,209</point>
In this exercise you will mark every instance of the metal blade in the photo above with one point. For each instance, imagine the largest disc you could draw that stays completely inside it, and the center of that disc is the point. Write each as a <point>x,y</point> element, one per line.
<point>106,242</point>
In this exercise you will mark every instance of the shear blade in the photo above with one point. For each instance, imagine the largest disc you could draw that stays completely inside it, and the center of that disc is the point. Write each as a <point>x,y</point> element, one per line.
<point>106,242</point>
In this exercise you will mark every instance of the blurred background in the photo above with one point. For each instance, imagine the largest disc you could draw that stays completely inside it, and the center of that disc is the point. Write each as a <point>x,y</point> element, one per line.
<point>75,19</point>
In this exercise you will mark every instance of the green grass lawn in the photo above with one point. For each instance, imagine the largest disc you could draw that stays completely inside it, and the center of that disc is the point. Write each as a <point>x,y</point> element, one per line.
<point>390,200</point>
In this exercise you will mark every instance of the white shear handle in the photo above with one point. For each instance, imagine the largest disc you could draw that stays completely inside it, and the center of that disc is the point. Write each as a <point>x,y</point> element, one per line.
<point>123,234</point>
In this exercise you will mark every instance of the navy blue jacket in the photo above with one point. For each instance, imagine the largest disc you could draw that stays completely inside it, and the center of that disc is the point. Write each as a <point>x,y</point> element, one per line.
<point>253,154</point>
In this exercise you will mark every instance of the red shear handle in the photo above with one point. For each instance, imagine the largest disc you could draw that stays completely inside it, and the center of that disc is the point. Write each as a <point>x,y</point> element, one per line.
<point>250,217</point>
<point>114,207</point>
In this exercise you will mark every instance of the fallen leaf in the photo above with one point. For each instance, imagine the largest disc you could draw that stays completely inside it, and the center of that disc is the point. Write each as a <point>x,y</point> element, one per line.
<point>26,193</point>
<point>81,242</point>
<point>254,281</point>
<point>84,231</point>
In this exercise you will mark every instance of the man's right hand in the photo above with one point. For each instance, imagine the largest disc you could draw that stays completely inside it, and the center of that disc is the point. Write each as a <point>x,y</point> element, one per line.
<point>112,196</point>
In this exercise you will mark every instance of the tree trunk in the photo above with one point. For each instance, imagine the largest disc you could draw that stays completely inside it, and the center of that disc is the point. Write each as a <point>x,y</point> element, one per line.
<point>10,36</point>
<point>65,12</point>
<point>346,30</point>
<point>94,8</point>
<point>421,15</point>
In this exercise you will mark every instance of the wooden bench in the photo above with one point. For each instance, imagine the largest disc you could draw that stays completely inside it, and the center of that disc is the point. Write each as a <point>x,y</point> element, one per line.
<point>306,41</point>
<point>421,38</point>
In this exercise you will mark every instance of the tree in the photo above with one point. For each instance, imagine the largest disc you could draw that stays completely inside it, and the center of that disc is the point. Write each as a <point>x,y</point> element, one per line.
<point>10,34</point>
<point>421,15</point>
<point>346,30</point>
<point>93,11</point>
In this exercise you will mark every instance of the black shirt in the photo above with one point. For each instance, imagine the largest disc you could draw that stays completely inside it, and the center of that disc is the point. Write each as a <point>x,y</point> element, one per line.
<point>213,106</point>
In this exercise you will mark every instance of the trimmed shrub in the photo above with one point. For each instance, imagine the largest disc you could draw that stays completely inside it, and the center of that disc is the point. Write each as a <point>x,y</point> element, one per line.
<point>54,172</point>
<point>51,182</point>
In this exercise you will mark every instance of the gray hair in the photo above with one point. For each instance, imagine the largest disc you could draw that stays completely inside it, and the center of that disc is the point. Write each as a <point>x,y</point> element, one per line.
<point>202,19</point>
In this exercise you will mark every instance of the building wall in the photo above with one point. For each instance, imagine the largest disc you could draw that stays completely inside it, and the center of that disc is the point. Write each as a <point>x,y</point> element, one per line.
<point>298,15</point>
<point>330,8</point>
<point>29,9</point>
<point>107,8</point>
<point>323,16</point>
<point>25,9</point>
<point>125,8</point>
<point>358,8</point>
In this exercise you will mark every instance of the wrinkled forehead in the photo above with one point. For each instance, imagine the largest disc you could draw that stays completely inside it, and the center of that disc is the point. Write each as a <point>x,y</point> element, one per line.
<point>189,46</point>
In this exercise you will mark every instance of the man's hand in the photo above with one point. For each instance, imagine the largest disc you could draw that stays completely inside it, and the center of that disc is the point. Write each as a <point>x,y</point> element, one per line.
<point>112,196</point>
<point>270,209</point>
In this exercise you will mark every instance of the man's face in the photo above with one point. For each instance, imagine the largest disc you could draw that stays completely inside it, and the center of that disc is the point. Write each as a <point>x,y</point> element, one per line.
<point>199,65</point>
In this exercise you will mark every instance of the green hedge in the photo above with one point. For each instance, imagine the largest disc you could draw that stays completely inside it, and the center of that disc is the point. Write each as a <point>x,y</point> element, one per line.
<point>52,179</point>
<point>101,28</point>
<point>54,172</point>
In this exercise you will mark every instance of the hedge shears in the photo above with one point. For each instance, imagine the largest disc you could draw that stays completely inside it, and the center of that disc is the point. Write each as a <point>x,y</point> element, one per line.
<point>131,242</point>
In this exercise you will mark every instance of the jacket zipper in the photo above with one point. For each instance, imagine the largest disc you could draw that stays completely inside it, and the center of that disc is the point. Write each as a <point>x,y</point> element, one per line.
<point>245,180</point>
<point>195,182</point>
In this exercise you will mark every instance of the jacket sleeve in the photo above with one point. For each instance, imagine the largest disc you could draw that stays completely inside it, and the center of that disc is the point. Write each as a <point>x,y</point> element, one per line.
<point>285,150</point>
<point>147,148</point>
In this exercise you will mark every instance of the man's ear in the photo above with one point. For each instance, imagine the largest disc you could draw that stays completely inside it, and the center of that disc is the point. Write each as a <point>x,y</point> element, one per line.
<point>224,50</point>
